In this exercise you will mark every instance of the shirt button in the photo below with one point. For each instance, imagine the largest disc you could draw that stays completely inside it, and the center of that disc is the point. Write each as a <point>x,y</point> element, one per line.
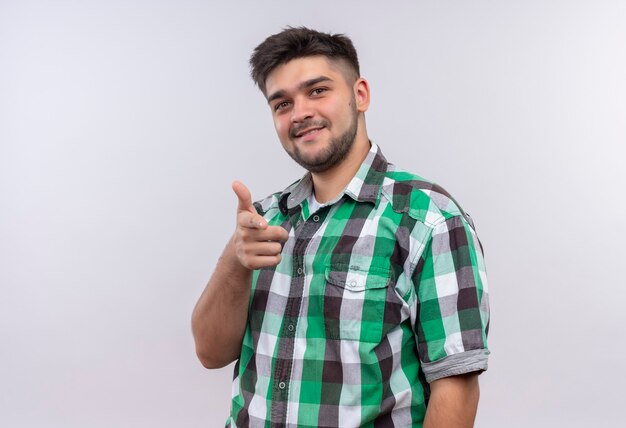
<point>300,270</point>
<point>282,385</point>
<point>352,284</point>
<point>290,327</point>
<point>316,218</point>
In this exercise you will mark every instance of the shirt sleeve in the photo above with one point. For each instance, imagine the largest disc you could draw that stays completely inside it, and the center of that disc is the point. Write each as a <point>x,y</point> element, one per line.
<point>453,306</point>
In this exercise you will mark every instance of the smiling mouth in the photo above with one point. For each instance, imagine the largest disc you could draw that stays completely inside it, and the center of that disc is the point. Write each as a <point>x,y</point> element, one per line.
<point>308,131</point>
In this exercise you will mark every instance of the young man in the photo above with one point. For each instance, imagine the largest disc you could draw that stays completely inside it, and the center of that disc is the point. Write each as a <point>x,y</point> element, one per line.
<point>357,296</point>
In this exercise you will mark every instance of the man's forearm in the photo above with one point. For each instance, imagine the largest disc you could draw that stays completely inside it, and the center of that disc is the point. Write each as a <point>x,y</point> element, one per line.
<point>219,318</point>
<point>453,402</point>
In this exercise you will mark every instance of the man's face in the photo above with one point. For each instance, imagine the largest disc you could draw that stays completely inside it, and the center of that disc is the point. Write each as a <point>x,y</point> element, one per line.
<point>314,111</point>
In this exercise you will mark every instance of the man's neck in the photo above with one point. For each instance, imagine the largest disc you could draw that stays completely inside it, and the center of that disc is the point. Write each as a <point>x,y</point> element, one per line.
<point>329,184</point>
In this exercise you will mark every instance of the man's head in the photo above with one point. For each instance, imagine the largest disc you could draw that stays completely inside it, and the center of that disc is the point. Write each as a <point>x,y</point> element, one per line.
<point>312,84</point>
<point>301,42</point>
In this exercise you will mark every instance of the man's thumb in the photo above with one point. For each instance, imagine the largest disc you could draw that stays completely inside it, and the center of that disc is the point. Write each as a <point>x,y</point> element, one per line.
<point>243,194</point>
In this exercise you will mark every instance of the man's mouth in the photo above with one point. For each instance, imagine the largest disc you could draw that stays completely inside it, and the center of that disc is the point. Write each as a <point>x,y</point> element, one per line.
<point>308,131</point>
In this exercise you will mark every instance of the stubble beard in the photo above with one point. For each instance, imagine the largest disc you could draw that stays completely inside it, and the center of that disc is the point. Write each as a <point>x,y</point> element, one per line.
<point>334,153</point>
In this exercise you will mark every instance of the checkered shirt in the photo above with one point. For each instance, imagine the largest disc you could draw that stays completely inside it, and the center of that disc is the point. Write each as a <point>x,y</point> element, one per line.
<point>378,294</point>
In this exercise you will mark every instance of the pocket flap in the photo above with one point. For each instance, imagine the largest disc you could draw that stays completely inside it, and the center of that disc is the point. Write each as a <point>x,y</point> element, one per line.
<point>357,279</point>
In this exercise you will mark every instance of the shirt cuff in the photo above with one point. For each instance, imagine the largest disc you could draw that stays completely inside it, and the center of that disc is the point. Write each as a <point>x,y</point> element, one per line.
<point>456,364</point>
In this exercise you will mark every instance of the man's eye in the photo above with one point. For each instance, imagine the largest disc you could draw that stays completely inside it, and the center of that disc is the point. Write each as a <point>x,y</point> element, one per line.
<point>281,105</point>
<point>318,91</point>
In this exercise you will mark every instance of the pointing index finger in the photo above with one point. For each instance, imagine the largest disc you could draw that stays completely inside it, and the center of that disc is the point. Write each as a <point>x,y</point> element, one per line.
<point>243,196</point>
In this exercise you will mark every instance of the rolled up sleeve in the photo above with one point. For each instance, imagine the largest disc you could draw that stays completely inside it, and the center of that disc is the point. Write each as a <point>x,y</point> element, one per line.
<point>452,320</point>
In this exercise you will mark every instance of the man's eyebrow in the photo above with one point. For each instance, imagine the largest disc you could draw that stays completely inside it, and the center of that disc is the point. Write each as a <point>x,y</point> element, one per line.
<point>306,84</point>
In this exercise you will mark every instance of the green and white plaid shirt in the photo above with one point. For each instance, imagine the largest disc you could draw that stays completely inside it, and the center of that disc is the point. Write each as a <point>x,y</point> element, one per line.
<point>378,293</point>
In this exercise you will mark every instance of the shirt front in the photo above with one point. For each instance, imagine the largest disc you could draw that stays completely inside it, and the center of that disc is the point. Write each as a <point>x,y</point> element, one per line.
<point>378,293</point>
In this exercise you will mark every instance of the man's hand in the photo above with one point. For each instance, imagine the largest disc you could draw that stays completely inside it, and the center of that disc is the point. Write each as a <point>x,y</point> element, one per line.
<point>257,245</point>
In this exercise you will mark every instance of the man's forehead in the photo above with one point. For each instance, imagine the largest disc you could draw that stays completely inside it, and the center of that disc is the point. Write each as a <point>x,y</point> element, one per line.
<point>288,76</point>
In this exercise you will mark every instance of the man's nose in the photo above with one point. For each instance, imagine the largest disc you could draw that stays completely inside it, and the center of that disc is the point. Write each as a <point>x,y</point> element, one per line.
<point>301,111</point>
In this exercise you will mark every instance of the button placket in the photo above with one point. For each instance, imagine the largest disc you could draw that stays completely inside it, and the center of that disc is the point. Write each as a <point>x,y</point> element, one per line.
<point>303,234</point>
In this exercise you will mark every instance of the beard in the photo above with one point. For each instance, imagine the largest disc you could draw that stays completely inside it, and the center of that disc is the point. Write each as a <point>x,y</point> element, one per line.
<point>334,153</point>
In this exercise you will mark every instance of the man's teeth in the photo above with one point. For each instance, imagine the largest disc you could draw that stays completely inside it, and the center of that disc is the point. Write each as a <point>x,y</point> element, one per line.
<point>309,132</point>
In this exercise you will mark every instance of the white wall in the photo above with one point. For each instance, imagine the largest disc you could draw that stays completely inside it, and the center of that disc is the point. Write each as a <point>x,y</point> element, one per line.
<point>123,123</point>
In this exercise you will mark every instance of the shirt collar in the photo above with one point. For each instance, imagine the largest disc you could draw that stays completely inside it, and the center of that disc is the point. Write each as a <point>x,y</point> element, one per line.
<point>365,186</point>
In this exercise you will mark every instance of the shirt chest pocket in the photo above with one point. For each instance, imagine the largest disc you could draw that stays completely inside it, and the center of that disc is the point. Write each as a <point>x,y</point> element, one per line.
<point>354,302</point>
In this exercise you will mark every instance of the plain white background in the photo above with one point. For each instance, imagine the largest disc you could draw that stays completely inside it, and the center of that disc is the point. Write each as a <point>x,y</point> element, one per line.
<point>123,123</point>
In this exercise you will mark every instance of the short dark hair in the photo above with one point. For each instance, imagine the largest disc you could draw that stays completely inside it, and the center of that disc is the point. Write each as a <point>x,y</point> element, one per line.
<point>292,43</point>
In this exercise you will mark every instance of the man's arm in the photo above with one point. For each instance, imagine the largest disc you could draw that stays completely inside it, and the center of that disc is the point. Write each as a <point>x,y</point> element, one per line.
<point>453,402</point>
<point>219,319</point>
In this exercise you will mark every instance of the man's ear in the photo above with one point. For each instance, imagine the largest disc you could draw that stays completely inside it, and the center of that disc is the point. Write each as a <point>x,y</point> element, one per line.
<point>361,94</point>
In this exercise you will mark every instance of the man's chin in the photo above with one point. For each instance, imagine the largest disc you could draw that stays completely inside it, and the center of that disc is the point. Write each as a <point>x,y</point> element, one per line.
<point>312,152</point>
<point>319,163</point>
